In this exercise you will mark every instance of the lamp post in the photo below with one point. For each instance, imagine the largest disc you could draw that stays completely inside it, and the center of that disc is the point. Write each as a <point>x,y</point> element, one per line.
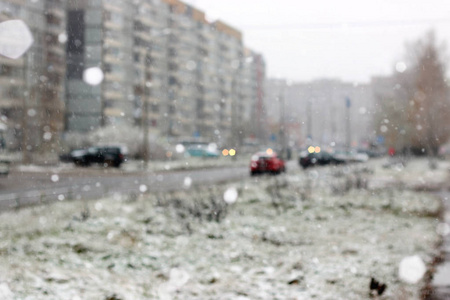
<point>309,121</point>
<point>144,98</point>
<point>348,128</point>
<point>26,158</point>
<point>282,123</point>
<point>144,116</point>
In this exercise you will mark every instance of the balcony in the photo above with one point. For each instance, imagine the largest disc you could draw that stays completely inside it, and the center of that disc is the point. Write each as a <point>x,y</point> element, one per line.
<point>113,95</point>
<point>143,35</point>
<point>113,77</point>
<point>112,26</point>
<point>113,60</point>
<point>109,42</point>
<point>111,7</point>
<point>57,50</point>
<point>56,11</point>
<point>208,110</point>
<point>145,20</point>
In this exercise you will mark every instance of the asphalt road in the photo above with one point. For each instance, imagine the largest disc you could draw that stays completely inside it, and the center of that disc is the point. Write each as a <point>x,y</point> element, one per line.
<point>22,188</point>
<point>25,188</point>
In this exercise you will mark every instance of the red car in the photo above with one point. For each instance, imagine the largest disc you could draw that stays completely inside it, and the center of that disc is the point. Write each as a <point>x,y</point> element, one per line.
<point>266,162</point>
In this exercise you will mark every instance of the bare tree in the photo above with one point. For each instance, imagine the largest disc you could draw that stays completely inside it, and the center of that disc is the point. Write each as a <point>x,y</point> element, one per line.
<point>414,113</point>
<point>429,105</point>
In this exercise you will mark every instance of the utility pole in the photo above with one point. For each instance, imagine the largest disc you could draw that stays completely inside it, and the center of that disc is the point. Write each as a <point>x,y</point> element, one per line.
<point>26,158</point>
<point>308,121</point>
<point>144,117</point>
<point>282,123</point>
<point>332,124</point>
<point>348,128</point>
<point>234,117</point>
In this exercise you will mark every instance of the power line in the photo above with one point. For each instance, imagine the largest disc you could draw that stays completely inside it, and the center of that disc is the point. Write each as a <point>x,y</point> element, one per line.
<point>334,25</point>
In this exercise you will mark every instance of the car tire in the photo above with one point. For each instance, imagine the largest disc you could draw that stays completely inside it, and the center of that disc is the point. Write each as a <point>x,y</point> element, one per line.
<point>81,163</point>
<point>108,163</point>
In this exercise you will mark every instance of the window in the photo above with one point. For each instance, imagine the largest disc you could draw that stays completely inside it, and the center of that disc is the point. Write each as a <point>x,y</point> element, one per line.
<point>93,35</point>
<point>173,80</point>
<point>136,57</point>
<point>154,107</point>
<point>114,17</point>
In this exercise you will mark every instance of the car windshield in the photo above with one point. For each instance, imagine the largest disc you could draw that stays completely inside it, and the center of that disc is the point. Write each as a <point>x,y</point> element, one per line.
<point>93,150</point>
<point>206,149</point>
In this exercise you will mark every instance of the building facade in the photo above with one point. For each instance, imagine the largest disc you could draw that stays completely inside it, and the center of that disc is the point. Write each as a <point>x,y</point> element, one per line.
<point>100,34</point>
<point>32,86</point>
<point>164,66</point>
<point>164,54</point>
<point>151,33</point>
<point>324,109</point>
<point>254,117</point>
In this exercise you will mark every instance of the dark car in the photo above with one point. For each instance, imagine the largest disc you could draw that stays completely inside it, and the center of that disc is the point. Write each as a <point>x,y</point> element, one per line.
<point>322,158</point>
<point>263,162</point>
<point>4,168</point>
<point>107,156</point>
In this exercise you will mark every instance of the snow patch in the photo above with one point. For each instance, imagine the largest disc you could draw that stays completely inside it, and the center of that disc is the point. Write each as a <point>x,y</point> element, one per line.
<point>231,195</point>
<point>93,76</point>
<point>412,269</point>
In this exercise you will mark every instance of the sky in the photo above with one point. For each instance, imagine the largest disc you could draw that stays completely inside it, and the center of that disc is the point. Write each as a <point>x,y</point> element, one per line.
<point>352,40</point>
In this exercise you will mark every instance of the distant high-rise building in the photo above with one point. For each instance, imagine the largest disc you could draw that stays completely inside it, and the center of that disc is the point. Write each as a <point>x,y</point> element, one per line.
<point>322,109</point>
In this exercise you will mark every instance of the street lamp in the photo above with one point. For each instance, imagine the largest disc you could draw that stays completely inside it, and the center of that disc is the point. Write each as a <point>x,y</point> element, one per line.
<point>282,123</point>
<point>309,121</point>
<point>144,118</point>
<point>348,126</point>
<point>26,155</point>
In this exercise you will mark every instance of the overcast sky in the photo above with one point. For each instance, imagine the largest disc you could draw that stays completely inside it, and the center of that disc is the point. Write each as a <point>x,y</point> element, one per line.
<point>347,39</point>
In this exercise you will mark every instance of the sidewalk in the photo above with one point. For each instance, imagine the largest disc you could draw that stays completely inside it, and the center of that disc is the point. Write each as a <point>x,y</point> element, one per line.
<point>135,166</point>
<point>441,279</point>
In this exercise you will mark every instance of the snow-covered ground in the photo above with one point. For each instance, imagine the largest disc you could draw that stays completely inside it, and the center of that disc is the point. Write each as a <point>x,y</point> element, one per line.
<point>306,235</point>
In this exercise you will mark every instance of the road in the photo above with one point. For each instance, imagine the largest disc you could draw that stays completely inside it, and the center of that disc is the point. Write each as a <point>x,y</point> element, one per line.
<point>24,188</point>
<point>28,188</point>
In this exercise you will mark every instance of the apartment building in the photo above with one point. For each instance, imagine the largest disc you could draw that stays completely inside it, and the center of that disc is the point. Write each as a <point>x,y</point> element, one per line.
<point>184,74</point>
<point>208,103</point>
<point>32,86</point>
<point>205,64</point>
<point>151,34</point>
<point>164,65</point>
<point>100,34</point>
<point>228,62</point>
